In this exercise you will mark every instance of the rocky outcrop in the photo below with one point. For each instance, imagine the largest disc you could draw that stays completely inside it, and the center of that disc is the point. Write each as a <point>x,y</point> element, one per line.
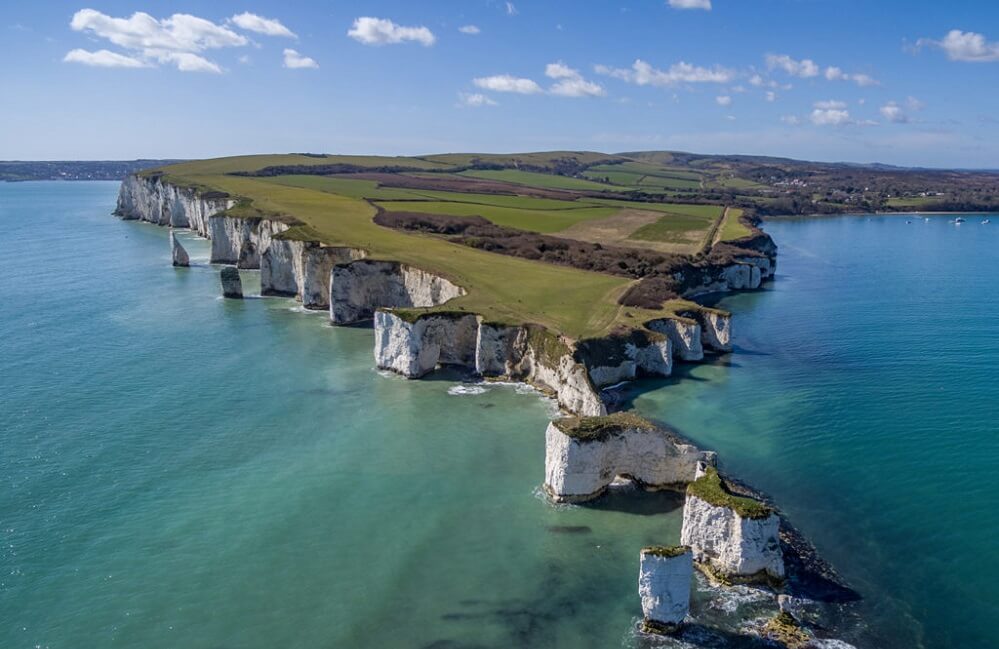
<point>734,538</point>
<point>358,288</point>
<point>716,330</point>
<point>148,198</point>
<point>177,252</point>
<point>624,356</point>
<point>301,269</point>
<point>241,241</point>
<point>584,455</point>
<point>412,344</point>
<point>684,335</point>
<point>415,346</point>
<point>232,286</point>
<point>664,581</point>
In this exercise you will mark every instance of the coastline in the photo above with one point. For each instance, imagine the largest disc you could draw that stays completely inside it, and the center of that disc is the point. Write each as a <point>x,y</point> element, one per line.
<point>809,570</point>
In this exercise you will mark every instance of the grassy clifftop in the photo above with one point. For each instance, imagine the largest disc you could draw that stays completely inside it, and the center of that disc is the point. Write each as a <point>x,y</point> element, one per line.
<point>335,198</point>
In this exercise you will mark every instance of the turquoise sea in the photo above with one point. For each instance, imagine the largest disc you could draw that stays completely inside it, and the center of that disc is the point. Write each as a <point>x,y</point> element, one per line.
<point>184,471</point>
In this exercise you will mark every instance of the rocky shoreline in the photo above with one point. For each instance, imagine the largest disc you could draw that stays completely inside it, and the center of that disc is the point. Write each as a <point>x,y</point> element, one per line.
<point>731,536</point>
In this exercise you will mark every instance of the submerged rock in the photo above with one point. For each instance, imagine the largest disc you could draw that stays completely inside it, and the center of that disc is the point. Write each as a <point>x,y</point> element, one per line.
<point>177,252</point>
<point>232,286</point>
<point>584,455</point>
<point>664,580</point>
<point>733,538</point>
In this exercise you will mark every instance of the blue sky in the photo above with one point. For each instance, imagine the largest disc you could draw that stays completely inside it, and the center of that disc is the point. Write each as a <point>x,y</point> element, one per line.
<point>903,82</point>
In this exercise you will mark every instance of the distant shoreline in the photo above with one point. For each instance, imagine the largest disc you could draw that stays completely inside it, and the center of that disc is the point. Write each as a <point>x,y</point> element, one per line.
<point>789,217</point>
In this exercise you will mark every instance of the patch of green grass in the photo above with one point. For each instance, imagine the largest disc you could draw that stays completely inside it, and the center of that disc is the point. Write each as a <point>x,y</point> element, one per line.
<point>733,227</point>
<point>545,181</point>
<point>706,212</point>
<point>712,489</point>
<point>666,551</point>
<point>344,187</point>
<point>597,428</point>
<point>543,221</point>
<point>672,228</point>
<point>913,201</point>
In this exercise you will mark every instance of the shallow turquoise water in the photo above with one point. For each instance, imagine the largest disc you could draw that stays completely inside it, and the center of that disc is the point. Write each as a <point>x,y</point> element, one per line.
<point>180,470</point>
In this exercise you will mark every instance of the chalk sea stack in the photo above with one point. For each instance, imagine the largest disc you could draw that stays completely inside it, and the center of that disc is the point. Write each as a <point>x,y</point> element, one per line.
<point>177,252</point>
<point>733,538</point>
<point>664,584</point>
<point>232,287</point>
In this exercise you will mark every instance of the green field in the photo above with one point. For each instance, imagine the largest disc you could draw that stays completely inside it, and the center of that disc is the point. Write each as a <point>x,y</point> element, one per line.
<point>534,220</point>
<point>534,179</point>
<point>732,228</point>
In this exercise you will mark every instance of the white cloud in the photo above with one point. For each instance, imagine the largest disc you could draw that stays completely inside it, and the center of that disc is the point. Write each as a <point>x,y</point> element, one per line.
<point>176,40</point>
<point>896,114</point>
<point>723,100</point>
<point>185,61</point>
<point>381,31</point>
<point>691,4</point>
<point>507,83</point>
<point>296,61</point>
<point>570,82</point>
<point>511,10</point>
<point>805,68</point>
<point>791,120</point>
<point>259,24</point>
<point>643,74</point>
<point>179,32</point>
<point>836,74</point>
<point>964,46</point>
<point>893,113</point>
<point>103,59</point>
<point>830,105</point>
<point>771,95</point>
<point>474,100</point>
<point>469,29</point>
<point>830,113</point>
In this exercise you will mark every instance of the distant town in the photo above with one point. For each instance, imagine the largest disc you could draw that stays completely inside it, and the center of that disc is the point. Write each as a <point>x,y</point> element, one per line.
<point>74,170</point>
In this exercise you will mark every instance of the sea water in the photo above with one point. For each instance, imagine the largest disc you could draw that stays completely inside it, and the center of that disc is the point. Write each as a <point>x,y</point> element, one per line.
<point>181,470</point>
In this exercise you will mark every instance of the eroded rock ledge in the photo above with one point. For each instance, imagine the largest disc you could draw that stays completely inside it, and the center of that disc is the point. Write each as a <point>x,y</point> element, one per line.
<point>584,455</point>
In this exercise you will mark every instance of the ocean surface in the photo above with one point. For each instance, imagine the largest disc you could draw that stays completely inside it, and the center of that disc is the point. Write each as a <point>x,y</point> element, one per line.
<point>180,470</point>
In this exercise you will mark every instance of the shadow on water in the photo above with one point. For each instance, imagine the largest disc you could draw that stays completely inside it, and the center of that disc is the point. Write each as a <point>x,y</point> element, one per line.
<point>631,499</point>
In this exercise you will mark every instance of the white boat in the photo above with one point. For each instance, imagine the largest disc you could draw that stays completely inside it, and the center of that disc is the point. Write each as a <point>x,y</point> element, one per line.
<point>958,221</point>
<point>986,222</point>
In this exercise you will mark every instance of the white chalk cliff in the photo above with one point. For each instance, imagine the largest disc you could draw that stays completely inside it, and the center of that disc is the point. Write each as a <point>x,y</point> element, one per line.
<point>664,580</point>
<point>731,541</point>
<point>580,467</point>
<point>240,241</point>
<point>301,269</point>
<point>149,198</point>
<point>357,289</point>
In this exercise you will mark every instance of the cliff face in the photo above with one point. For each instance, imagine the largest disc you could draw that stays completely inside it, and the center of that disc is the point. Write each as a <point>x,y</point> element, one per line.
<point>579,469</point>
<point>415,346</point>
<point>357,289</point>
<point>301,269</point>
<point>241,241</point>
<point>148,198</point>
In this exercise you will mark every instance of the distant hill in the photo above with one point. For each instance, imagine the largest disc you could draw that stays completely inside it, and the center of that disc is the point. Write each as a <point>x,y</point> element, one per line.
<point>16,170</point>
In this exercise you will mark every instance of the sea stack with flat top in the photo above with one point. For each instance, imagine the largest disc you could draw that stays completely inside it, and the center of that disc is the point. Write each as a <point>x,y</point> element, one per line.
<point>232,287</point>
<point>177,252</point>
<point>664,585</point>
<point>734,539</point>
